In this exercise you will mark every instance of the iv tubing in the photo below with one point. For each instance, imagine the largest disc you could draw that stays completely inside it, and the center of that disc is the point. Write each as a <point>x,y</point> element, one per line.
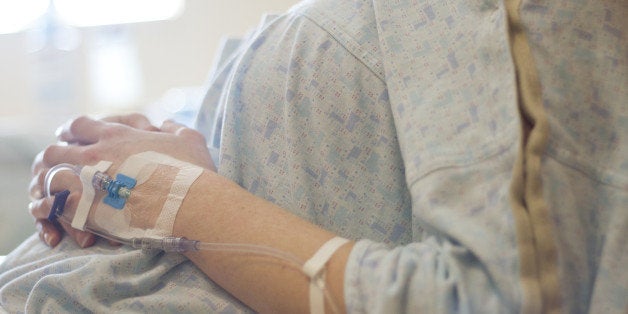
<point>174,244</point>
<point>53,171</point>
<point>181,244</point>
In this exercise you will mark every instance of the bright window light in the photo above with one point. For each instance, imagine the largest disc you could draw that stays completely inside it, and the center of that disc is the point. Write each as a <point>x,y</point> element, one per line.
<point>116,77</point>
<point>106,12</point>
<point>16,16</point>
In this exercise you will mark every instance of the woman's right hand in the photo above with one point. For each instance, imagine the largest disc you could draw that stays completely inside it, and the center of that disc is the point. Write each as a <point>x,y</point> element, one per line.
<point>48,233</point>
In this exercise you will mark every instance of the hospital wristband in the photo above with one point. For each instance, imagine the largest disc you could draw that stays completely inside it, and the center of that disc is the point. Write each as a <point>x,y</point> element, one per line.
<point>315,269</point>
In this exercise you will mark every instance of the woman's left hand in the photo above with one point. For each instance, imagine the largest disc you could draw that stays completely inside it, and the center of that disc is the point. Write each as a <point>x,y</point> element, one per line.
<point>102,140</point>
<point>115,142</point>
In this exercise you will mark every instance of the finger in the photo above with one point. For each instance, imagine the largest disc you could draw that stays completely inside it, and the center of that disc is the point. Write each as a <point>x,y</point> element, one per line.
<point>51,235</point>
<point>179,129</point>
<point>38,170</point>
<point>76,155</point>
<point>134,120</point>
<point>37,163</point>
<point>36,185</point>
<point>114,243</point>
<point>83,238</point>
<point>83,130</point>
<point>62,133</point>
<point>170,126</point>
<point>40,208</point>
<point>48,232</point>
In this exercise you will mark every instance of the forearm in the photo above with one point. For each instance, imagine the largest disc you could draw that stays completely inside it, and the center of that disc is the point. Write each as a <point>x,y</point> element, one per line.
<point>218,210</point>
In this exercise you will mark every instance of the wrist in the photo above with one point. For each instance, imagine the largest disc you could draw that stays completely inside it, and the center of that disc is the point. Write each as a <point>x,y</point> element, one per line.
<point>217,210</point>
<point>196,207</point>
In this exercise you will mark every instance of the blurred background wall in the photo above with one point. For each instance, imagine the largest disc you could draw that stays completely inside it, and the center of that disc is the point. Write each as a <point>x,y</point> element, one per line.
<point>52,71</point>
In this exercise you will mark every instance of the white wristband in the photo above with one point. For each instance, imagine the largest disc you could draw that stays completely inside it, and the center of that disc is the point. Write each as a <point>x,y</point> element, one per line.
<point>315,269</point>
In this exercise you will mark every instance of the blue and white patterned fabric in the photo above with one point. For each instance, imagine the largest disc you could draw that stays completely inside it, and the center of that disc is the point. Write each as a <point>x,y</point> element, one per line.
<point>396,124</point>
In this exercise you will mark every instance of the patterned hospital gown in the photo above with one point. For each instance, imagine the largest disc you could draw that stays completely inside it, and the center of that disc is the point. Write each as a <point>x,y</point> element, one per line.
<point>476,150</point>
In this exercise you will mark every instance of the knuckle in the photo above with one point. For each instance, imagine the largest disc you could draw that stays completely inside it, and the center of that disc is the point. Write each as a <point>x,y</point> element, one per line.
<point>113,131</point>
<point>136,117</point>
<point>192,134</point>
<point>37,163</point>
<point>76,123</point>
<point>38,209</point>
<point>48,154</point>
<point>36,184</point>
<point>31,209</point>
<point>41,176</point>
<point>68,229</point>
<point>91,154</point>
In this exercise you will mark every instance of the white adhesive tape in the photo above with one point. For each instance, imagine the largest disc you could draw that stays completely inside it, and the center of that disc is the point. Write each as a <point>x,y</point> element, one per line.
<point>140,167</point>
<point>88,194</point>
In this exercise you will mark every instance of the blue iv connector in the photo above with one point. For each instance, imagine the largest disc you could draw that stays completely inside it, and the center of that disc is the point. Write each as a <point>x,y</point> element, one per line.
<point>118,190</point>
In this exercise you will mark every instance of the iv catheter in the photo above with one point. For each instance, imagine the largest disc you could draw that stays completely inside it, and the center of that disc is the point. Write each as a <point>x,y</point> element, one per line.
<point>100,181</point>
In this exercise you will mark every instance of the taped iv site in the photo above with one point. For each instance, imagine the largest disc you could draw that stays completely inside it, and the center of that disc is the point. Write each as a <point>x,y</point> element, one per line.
<point>135,171</point>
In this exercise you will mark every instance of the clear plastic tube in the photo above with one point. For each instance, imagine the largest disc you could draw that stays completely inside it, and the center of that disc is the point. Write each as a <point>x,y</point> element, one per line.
<point>54,170</point>
<point>251,248</point>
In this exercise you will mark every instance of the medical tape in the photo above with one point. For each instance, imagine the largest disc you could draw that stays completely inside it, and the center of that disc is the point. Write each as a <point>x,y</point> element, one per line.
<point>88,194</point>
<point>141,166</point>
<point>178,191</point>
<point>315,269</point>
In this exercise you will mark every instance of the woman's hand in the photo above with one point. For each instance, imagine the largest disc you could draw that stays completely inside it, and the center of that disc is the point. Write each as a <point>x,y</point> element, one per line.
<point>112,139</point>
<point>215,209</point>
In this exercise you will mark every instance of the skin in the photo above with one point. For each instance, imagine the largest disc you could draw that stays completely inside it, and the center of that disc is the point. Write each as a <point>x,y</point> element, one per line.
<point>214,210</point>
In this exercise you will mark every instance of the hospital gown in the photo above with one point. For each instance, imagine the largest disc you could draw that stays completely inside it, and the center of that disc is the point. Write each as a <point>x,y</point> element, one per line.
<point>399,124</point>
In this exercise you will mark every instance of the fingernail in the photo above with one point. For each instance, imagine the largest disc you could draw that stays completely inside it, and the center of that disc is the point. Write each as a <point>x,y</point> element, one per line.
<point>83,240</point>
<point>37,194</point>
<point>53,240</point>
<point>31,205</point>
<point>47,239</point>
